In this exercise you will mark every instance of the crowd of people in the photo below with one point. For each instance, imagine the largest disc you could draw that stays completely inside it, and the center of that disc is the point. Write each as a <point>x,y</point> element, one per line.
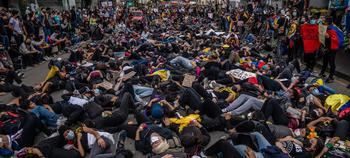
<point>169,79</point>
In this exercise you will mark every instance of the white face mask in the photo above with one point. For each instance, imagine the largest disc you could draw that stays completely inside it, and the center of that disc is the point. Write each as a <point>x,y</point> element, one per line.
<point>297,132</point>
<point>154,139</point>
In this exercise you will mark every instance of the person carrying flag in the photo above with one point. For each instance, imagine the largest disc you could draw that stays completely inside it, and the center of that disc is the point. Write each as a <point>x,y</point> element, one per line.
<point>334,42</point>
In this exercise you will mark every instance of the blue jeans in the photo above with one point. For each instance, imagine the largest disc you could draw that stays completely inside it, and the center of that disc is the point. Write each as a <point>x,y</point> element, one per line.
<point>141,91</point>
<point>47,117</point>
<point>5,41</point>
<point>47,32</point>
<point>261,142</point>
<point>243,104</point>
<point>181,61</point>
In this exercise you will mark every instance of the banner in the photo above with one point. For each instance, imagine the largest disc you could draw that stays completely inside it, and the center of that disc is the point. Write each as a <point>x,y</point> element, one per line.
<point>322,29</point>
<point>310,36</point>
<point>337,37</point>
<point>240,74</point>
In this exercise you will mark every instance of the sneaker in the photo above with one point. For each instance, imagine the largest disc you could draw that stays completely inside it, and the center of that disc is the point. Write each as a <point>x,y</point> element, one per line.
<point>205,83</point>
<point>120,139</point>
<point>223,110</point>
<point>20,74</point>
<point>202,155</point>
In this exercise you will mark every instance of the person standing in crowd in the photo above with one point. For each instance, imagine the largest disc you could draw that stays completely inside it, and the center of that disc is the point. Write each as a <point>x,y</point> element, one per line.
<point>4,30</point>
<point>332,47</point>
<point>16,27</point>
<point>311,45</point>
<point>338,8</point>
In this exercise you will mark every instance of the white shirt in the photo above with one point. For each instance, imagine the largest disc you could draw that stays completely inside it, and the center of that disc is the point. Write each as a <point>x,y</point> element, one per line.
<point>77,101</point>
<point>16,26</point>
<point>92,140</point>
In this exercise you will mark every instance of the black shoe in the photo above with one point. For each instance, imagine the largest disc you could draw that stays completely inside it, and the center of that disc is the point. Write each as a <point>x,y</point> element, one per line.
<point>348,86</point>
<point>322,75</point>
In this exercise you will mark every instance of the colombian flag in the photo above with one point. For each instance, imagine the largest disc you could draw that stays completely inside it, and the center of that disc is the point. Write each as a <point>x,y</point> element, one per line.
<point>336,36</point>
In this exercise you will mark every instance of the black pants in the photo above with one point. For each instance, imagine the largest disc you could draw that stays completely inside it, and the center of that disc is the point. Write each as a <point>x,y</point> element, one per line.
<point>23,90</point>
<point>191,98</point>
<point>29,59</point>
<point>225,80</point>
<point>130,129</point>
<point>119,116</point>
<point>342,129</point>
<point>201,91</point>
<point>51,147</point>
<point>11,76</point>
<point>73,113</point>
<point>30,125</point>
<point>272,108</point>
<point>224,147</point>
<point>209,108</point>
<point>73,85</point>
<point>329,58</point>
<point>310,60</point>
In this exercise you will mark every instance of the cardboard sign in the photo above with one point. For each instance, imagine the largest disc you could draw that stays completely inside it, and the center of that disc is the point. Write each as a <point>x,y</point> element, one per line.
<point>106,85</point>
<point>240,74</point>
<point>188,80</point>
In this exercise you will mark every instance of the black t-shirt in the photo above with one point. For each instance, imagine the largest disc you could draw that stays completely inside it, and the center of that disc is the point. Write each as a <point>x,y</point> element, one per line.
<point>212,64</point>
<point>295,150</point>
<point>268,83</point>
<point>222,95</point>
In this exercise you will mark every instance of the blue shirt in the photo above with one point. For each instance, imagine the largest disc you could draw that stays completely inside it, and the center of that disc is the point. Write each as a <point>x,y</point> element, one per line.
<point>47,117</point>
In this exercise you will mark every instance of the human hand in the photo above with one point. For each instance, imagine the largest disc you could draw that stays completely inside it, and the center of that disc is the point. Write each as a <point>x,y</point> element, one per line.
<point>168,156</point>
<point>196,123</point>
<point>154,100</point>
<point>141,127</point>
<point>326,118</point>
<point>36,151</point>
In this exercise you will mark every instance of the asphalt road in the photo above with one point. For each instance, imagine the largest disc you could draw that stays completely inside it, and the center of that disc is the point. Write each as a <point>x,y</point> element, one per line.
<point>35,75</point>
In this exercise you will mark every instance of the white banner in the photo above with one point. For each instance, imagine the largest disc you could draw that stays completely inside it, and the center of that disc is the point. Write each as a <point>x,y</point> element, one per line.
<point>240,74</point>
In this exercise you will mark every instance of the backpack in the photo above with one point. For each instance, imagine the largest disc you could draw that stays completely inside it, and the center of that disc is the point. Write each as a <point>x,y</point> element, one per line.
<point>263,128</point>
<point>245,139</point>
<point>10,123</point>
<point>93,110</point>
<point>274,152</point>
<point>175,149</point>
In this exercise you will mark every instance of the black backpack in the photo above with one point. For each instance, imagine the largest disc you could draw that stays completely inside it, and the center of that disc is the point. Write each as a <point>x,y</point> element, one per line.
<point>93,110</point>
<point>10,123</point>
